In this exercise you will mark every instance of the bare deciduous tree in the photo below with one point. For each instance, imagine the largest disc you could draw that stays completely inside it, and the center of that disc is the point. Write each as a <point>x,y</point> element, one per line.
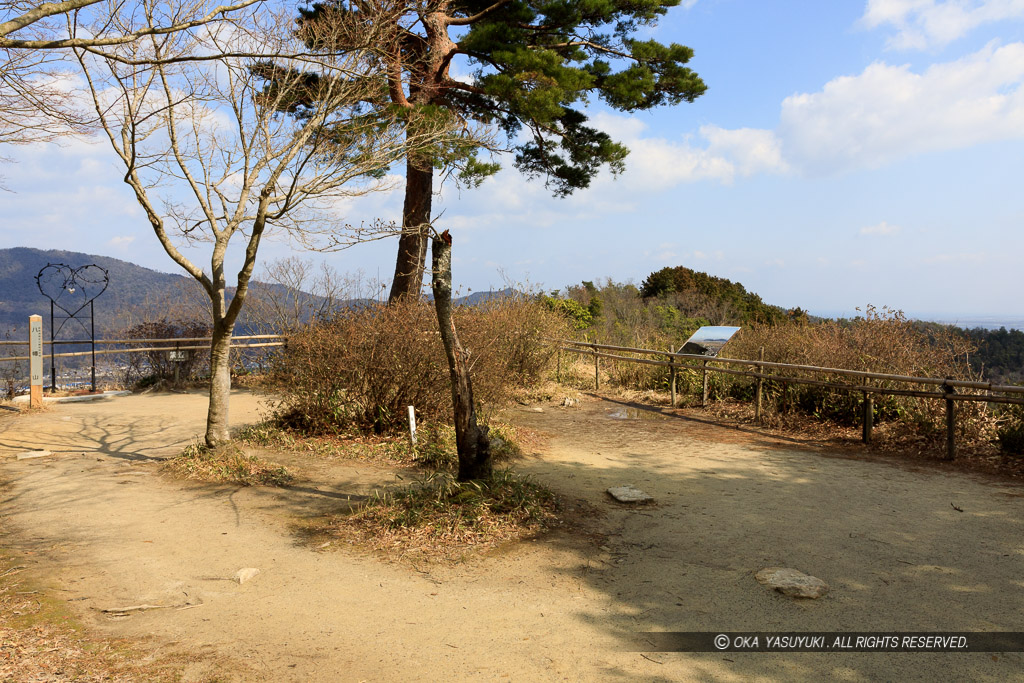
<point>38,100</point>
<point>293,291</point>
<point>209,155</point>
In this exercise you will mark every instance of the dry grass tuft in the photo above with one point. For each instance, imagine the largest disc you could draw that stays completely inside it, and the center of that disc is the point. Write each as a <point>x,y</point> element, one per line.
<point>229,464</point>
<point>441,518</point>
<point>378,449</point>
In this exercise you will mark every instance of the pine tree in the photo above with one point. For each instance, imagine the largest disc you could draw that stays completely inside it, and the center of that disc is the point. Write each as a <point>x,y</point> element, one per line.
<point>535,65</point>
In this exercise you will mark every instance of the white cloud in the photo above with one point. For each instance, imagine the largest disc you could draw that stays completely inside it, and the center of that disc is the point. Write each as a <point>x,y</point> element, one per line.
<point>882,115</point>
<point>719,154</point>
<point>889,112</point>
<point>921,24</point>
<point>882,228</point>
<point>960,258</point>
<point>750,150</point>
<point>121,241</point>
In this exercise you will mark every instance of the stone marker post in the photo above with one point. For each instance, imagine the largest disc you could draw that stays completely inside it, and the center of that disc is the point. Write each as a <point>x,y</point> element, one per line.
<point>35,344</point>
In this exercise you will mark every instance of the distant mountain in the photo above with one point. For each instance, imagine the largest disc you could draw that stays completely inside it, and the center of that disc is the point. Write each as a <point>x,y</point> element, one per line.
<point>132,287</point>
<point>130,284</point>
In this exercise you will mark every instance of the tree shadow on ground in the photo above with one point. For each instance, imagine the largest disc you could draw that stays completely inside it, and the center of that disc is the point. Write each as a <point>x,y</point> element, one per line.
<point>897,552</point>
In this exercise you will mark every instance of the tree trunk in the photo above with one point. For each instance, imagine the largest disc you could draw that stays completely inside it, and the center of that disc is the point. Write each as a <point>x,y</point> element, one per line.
<point>217,428</point>
<point>471,441</point>
<point>412,245</point>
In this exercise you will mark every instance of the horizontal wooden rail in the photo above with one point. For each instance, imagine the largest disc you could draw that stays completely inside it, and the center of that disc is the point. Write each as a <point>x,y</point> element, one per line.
<point>101,352</point>
<point>959,384</point>
<point>143,341</point>
<point>948,392</point>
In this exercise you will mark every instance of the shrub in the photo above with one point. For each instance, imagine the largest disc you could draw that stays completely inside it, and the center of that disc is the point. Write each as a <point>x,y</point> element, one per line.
<point>1010,429</point>
<point>362,369</point>
<point>154,366</point>
<point>879,341</point>
<point>579,316</point>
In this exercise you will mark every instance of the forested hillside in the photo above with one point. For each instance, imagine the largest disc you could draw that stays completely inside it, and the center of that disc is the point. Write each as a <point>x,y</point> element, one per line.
<point>673,302</point>
<point>1000,354</point>
<point>130,285</point>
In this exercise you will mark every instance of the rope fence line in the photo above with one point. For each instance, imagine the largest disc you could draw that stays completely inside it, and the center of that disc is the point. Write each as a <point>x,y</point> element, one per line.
<point>995,393</point>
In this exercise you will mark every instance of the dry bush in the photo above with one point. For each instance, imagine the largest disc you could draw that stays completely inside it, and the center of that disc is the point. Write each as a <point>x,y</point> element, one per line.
<point>362,369</point>
<point>880,341</point>
<point>158,365</point>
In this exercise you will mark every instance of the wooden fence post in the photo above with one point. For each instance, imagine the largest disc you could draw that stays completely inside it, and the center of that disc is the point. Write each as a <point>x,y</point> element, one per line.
<point>760,387</point>
<point>597,370</point>
<point>558,370</point>
<point>950,422</point>
<point>672,371</point>
<point>869,417</point>
<point>704,395</point>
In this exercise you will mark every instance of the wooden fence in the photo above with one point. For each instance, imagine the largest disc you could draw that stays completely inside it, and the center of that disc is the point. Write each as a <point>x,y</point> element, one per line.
<point>945,389</point>
<point>252,341</point>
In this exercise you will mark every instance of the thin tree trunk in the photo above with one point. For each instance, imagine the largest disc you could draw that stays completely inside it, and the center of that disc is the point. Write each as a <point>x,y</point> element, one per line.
<point>412,244</point>
<point>471,441</point>
<point>217,427</point>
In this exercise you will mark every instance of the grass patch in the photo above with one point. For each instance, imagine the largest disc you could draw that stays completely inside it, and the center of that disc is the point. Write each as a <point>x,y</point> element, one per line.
<point>40,640</point>
<point>438,516</point>
<point>386,450</point>
<point>228,463</point>
<point>434,450</point>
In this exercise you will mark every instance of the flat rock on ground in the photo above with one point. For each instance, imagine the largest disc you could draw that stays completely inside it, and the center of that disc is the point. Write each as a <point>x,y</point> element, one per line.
<point>629,494</point>
<point>792,582</point>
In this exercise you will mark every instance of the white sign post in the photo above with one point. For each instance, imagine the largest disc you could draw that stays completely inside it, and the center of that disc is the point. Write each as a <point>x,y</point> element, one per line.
<point>35,344</point>
<point>412,425</point>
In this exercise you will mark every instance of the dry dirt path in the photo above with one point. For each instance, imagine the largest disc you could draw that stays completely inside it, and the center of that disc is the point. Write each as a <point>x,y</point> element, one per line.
<point>103,529</point>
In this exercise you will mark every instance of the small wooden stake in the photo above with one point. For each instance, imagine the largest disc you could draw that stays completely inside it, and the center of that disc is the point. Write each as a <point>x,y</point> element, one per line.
<point>760,387</point>
<point>869,416</point>
<point>704,395</point>
<point>597,371</point>
<point>950,422</point>
<point>672,371</point>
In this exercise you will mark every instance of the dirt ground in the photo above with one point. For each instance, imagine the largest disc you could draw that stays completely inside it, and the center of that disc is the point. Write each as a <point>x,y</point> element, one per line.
<point>98,525</point>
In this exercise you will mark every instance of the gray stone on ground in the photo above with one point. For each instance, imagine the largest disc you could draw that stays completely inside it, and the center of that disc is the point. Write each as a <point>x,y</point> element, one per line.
<point>792,582</point>
<point>569,402</point>
<point>243,575</point>
<point>629,494</point>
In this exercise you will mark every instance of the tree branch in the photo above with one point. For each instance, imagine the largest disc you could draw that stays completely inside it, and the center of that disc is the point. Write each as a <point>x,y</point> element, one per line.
<point>465,21</point>
<point>48,9</point>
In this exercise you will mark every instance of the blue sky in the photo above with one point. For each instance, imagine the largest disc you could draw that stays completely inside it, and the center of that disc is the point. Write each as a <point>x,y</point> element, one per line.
<point>845,154</point>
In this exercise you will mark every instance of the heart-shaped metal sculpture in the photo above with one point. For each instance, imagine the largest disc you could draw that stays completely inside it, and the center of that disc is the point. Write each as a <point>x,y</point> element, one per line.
<point>72,289</point>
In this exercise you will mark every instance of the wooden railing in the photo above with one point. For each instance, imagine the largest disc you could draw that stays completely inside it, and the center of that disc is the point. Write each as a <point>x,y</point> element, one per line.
<point>175,344</point>
<point>946,388</point>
